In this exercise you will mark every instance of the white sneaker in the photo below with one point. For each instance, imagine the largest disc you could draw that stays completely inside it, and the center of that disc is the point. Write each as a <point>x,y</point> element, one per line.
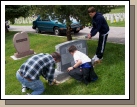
<point>28,94</point>
<point>95,59</point>
<point>23,89</point>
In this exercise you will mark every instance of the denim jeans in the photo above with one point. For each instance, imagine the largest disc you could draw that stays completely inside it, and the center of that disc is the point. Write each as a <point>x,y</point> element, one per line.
<point>35,85</point>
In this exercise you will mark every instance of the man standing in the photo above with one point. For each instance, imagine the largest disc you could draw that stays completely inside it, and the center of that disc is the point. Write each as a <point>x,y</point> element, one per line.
<point>30,71</point>
<point>99,25</point>
<point>82,70</point>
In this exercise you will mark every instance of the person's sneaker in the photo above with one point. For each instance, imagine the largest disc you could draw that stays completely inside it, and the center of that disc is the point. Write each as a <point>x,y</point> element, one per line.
<point>28,94</point>
<point>95,60</point>
<point>24,89</point>
<point>94,57</point>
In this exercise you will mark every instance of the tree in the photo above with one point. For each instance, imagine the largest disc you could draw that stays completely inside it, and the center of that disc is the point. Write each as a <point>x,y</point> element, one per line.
<point>15,11</point>
<point>76,11</point>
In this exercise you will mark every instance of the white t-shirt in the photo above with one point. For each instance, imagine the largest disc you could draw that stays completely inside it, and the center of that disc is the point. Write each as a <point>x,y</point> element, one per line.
<point>81,56</point>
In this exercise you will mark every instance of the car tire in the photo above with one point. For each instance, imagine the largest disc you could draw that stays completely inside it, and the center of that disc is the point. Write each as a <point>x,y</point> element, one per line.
<point>33,27</point>
<point>76,31</point>
<point>56,31</point>
<point>37,30</point>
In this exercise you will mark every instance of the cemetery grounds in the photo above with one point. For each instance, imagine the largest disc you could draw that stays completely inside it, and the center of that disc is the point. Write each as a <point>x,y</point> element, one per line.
<point>111,71</point>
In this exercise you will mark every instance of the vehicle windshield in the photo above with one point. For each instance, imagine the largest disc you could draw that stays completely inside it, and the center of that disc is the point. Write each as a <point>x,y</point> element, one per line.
<point>53,18</point>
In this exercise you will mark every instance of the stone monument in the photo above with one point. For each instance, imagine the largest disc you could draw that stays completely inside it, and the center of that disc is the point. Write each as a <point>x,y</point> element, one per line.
<point>66,58</point>
<point>21,44</point>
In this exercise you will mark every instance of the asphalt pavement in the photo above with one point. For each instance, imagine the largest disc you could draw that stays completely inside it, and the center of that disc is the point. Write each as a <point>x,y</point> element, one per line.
<point>116,34</point>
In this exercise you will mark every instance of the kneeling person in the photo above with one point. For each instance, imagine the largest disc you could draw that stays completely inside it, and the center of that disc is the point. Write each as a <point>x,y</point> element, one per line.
<point>42,64</point>
<point>83,69</point>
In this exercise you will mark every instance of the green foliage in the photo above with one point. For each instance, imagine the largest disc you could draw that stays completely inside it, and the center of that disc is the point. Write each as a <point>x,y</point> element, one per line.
<point>15,11</point>
<point>111,71</point>
<point>118,9</point>
<point>77,11</point>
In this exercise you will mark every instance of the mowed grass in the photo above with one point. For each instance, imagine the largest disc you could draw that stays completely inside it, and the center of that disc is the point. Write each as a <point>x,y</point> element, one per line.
<point>120,9</point>
<point>116,24</point>
<point>111,71</point>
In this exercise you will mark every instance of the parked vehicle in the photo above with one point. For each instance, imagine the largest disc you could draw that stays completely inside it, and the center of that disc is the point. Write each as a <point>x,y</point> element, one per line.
<point>7,24</point>
<point>53,25</point>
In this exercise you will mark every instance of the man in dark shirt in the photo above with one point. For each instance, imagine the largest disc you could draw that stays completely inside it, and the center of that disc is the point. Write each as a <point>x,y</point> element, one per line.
<point>99,25</point>
<point>40,64</point>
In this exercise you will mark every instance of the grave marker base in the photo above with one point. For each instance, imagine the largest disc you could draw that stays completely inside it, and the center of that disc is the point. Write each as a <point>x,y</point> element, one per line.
<point>15,58</point>
<point>61,76</point>
<point>19,55</point>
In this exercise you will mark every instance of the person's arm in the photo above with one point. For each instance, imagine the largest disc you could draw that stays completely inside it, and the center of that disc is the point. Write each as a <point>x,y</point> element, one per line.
<point>79,62</point>
<point>94,30</point>
<point>50,74</point>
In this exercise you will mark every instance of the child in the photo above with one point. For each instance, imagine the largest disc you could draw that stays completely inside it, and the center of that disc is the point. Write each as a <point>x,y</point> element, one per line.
<point>82,70</point>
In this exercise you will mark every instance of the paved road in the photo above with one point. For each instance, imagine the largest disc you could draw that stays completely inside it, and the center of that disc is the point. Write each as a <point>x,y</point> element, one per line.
<point>116,34</point>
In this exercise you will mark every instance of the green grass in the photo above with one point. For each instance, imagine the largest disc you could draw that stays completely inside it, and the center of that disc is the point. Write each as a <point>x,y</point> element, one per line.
<point>116,24</point>
<point>120,9</point>
<point>111,71</point>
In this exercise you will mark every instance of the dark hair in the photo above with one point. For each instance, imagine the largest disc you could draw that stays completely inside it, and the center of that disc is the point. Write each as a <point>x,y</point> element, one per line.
<point>72,48</point>
<point>91,10</point>
<point>56,55</point>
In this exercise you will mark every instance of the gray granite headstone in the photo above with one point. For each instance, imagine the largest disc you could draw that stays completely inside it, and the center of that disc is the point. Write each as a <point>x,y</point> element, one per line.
<point>66,58</point>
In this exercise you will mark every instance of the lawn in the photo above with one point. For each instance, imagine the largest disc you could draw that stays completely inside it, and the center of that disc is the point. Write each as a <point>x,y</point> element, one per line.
<point>111,71</point>
<point>116,24</point>
<point>120,9</point>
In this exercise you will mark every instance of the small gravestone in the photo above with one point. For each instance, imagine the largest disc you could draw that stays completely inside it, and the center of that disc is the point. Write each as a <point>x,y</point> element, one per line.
<point>66,58</point>
<point>117,19</point>
<point>21,44</point>
<point>111,19</point>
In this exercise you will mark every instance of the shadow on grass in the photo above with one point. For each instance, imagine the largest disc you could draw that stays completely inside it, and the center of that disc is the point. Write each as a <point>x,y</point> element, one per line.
<point>70,87</point>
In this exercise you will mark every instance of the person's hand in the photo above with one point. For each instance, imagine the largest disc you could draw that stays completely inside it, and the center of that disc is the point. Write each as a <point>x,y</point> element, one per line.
<point>51,83</point>
<point>70,68</point>
<point>55,82</point>
<point>89,36</point>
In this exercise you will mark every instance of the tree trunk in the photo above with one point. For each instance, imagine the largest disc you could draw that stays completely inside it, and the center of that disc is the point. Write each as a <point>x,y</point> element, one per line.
<point>6,29</point>
<point>68,33</point>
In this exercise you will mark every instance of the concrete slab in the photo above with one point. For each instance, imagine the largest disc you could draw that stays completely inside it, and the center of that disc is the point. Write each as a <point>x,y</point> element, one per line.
<point>14,58</point>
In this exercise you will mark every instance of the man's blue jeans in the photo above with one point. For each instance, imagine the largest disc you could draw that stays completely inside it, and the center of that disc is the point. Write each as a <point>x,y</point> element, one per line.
<point>36,85</point>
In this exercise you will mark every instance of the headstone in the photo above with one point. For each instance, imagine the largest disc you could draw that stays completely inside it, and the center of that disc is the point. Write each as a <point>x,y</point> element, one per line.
<point>112,19</point>
<point>124,16</point>
<point>21,44</point>
<point>108,17</point>
<point>121,19</point>
<point>66,58</point>
<point>117,19</point>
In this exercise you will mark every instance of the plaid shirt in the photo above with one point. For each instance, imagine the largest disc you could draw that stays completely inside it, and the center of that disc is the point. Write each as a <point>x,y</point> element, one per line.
<point>40,64</point>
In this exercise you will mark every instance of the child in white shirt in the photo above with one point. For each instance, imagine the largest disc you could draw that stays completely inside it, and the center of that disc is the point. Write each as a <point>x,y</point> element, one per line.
<point>83,69</point>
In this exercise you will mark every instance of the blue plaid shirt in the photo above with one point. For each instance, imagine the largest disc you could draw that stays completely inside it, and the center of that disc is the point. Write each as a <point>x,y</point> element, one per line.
<point>40,64</point>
